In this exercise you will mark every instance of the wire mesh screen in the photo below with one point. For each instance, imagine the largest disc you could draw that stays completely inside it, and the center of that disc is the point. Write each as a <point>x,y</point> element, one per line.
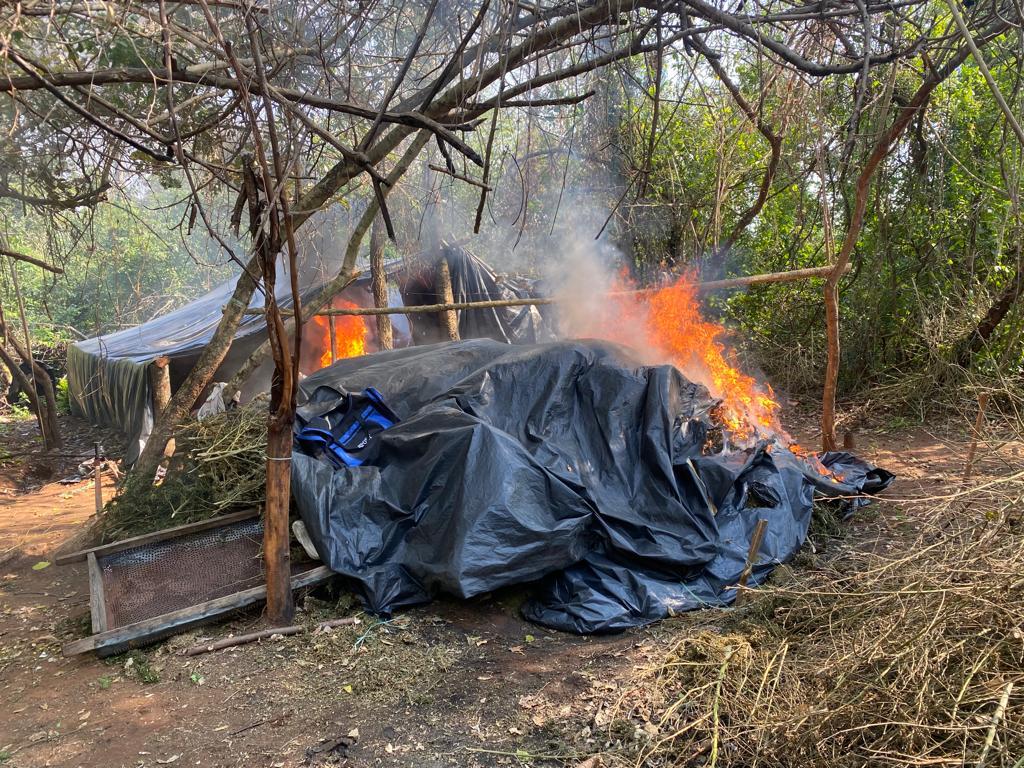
<point>154,579</point>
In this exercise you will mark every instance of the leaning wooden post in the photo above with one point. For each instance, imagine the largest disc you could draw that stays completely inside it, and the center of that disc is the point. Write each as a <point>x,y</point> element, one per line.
<point>755,547</point>
<point>443,288</point>
<point>160,384</point>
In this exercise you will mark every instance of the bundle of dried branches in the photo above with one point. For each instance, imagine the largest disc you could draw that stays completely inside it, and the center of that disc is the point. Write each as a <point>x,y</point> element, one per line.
<point>219,467</point>
<point>913,657</point>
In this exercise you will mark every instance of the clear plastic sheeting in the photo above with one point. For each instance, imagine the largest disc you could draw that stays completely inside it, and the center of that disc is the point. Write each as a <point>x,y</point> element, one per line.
<point>567,465</point>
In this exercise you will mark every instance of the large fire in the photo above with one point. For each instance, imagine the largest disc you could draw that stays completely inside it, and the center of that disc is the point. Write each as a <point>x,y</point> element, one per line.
<point>349,338</point>
<point>666,324</point>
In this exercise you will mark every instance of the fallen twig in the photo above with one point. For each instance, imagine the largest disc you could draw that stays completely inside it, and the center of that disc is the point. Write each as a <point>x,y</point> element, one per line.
<point>997,717</point>
<point>263,634</point>
<point>257,724</point>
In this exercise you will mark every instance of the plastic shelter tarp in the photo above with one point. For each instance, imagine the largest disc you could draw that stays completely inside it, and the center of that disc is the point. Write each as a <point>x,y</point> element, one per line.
<point>565,464</point>
<point>108,376</point>
<point>473,280</point>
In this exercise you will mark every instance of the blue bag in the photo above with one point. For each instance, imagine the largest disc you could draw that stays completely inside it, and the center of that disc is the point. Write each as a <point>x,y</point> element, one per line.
<point>342,435</point>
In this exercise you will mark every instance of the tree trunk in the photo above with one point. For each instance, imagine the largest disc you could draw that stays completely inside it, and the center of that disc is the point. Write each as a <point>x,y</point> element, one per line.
<point>18,375</point>
<point>276,557</point>
<point>160,384</point>
<point>46,409</point>
<point>379,283</point>
<point>53,438</point>
<point>978,339</point>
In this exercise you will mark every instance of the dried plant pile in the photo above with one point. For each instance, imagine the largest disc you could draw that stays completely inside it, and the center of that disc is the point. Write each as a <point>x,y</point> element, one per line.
<point>219,467</point>
<point>909,659</point>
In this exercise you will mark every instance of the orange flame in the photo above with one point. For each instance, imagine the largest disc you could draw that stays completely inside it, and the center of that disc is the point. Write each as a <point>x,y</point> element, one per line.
<point>666,323</point>
<point>349,335</point>
<point>695,345</point>
<point>811,458</point>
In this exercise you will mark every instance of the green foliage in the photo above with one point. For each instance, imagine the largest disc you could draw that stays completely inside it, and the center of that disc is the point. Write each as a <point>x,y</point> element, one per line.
<point>137,664</point>
<point>124,263</point>
<point>20,409</point>
<point>61,393</point>
<point>941,236</point>
<point>218,467</point>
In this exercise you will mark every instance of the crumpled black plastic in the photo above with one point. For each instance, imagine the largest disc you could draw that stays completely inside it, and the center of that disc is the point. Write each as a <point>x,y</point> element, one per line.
<point>567,464</point>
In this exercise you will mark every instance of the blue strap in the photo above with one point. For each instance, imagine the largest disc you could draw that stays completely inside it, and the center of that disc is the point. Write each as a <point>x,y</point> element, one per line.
<point>316,437</point>
<point>338,454</point>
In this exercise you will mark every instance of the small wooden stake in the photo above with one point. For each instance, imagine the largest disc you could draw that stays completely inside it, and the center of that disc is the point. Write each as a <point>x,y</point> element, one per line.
<point>98,480</point>
<point>755,547</point>
<point>979,422</point>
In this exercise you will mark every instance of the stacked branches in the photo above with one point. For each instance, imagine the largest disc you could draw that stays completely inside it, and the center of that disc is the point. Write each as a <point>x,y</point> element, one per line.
<point>219,467</point>
<point>906,658</point>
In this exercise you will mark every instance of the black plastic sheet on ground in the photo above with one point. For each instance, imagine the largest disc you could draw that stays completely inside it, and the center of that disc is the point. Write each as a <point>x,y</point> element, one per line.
<point>566,464</point>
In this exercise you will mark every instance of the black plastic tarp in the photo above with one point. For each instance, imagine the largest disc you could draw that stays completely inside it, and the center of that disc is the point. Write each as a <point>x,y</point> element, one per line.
<point>566,464</point>
<point>108,375</point>
<point>473,280</point>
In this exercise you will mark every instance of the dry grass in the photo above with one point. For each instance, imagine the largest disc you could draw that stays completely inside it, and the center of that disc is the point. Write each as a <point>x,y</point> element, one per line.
<point>913,658</point>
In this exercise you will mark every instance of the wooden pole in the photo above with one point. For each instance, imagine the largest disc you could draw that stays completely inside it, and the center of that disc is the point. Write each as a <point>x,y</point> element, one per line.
<point>379,285</point>
<point>98,482</point>
<point>712,285</point>
<point>160,383</point>
<point>333,343</point>
<point>976,432</point>
<point>444,290</point>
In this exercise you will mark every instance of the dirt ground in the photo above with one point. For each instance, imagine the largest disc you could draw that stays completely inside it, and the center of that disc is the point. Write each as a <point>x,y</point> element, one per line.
<point>462,684</point>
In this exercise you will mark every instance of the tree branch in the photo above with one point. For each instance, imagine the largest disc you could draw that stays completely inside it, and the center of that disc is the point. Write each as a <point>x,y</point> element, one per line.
<point>18,256</point>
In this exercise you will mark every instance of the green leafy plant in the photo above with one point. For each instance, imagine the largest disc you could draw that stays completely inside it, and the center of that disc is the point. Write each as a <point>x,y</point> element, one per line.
<point>62,395</point>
